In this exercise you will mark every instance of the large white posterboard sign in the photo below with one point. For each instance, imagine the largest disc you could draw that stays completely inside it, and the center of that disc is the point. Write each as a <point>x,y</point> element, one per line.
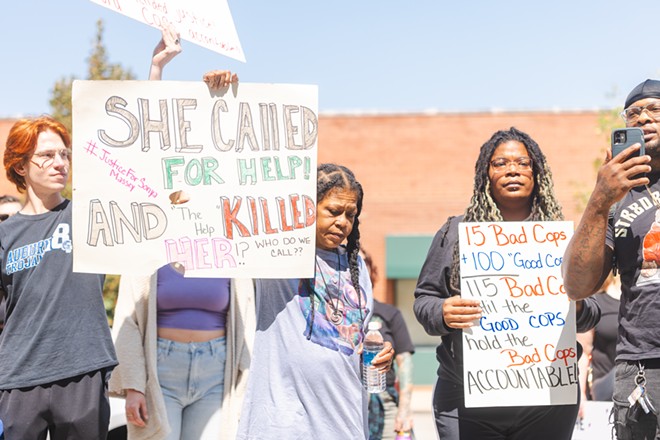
<point>207,23</point>
<point>522,352</point>
<point>171,171</point>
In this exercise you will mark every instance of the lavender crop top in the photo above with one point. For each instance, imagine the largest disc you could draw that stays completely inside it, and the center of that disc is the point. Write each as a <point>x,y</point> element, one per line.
<point>191,303</point>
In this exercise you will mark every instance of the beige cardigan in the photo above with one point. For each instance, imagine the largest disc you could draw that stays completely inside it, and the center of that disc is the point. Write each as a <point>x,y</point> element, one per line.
<point>135,335</point>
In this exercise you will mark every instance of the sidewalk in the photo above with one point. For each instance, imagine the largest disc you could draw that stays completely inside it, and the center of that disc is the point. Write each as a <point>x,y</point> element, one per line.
<point>423,412</point>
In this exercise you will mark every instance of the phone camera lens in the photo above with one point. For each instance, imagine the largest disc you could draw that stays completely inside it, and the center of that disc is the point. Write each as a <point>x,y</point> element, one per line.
<point>620,137</point>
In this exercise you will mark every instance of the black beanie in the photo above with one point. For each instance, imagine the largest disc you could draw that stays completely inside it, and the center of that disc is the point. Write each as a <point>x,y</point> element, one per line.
<point>648,89</point>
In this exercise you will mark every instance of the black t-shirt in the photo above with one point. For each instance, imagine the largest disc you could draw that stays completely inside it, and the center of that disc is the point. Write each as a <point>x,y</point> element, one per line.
<point>605,335</point>
<point>394,330</point>
<point>55,327</point>
<point>634,234</point>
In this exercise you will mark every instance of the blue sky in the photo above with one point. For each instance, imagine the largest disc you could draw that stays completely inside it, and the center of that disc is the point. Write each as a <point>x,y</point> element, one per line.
<point>364,55</point>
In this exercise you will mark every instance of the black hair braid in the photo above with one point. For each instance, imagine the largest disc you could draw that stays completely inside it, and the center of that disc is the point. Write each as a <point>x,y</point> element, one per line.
<point>483,208</point>
<point>353,251</point>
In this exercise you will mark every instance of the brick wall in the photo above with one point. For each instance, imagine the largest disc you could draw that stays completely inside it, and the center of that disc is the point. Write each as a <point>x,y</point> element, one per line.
<point>418,169</point>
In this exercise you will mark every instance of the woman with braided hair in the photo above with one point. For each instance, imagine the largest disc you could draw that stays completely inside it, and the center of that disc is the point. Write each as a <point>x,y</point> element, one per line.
<point>305,372</point>
<point>512,183</point>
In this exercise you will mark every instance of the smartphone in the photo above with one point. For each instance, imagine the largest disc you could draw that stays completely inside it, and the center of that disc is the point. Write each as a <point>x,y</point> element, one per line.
<point>622,138</point>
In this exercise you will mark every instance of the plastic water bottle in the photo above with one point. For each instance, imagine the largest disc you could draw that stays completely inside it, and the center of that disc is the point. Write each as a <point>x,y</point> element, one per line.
<point>374,380</point>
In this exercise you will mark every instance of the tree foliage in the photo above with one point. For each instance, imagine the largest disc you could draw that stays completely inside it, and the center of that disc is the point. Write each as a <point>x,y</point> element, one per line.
<point>607,121</point>
<point>98,68</point>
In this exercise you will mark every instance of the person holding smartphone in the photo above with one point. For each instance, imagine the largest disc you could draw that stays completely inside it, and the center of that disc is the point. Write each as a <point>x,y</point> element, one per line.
<point>619,230</point>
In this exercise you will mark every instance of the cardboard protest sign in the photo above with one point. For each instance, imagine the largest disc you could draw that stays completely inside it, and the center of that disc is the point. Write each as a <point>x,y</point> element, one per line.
<point>523,350</point>
<point>206,23</point>
<point>171,171</point>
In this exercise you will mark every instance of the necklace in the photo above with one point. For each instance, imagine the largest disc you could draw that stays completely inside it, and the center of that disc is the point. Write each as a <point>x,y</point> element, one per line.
<point>335,311</point>
<point>655,202</point>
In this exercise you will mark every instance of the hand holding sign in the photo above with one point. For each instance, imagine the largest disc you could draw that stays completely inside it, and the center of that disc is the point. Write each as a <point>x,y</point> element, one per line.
<point>459,312</point>
<point>207,23</point>
<point>217,79</point>
<point>167,48</point>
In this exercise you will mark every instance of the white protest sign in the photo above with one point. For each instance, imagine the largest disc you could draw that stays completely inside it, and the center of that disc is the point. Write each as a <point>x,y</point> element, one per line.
<point>206,23</point>
<point>595,423</point>
<point>171,171</point>
<point>523,350</point>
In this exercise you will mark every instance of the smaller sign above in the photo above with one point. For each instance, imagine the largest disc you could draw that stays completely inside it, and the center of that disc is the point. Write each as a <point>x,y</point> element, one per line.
<point>206,23</point>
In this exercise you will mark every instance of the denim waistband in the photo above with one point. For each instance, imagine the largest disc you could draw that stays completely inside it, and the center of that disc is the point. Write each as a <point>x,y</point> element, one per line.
<point>212,346</point>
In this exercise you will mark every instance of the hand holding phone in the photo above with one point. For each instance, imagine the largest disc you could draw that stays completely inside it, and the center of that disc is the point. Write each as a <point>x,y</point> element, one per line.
<point>623,138</point>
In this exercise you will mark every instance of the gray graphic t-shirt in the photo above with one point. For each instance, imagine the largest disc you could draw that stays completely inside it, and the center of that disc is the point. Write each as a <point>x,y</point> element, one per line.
<point>305,380</point>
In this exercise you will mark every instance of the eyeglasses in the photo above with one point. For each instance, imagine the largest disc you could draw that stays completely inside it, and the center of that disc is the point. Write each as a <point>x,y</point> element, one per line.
<point>48,157</point>
<point>632,114</point>
<point>501,164</point>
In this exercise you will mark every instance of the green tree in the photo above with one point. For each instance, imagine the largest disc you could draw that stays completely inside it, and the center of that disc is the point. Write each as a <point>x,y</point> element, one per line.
<point>607,121</point>
<point>98,68</point>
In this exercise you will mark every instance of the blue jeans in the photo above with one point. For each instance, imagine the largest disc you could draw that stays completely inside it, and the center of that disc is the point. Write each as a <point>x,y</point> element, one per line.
<point>646,426</point>
<point>191,376</point>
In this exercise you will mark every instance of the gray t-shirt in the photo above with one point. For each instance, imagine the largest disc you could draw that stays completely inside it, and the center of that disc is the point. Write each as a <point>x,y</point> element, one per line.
<point>634,234</point>
<point>56,327</point>
<point>305,380</point>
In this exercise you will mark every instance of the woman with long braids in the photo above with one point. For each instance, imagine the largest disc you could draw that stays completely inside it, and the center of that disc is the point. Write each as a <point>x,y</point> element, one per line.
<point>305,372</point>
<point>512,183</point>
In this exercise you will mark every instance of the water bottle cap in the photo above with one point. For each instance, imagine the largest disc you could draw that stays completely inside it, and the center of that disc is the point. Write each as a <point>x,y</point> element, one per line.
<point>374,325</point>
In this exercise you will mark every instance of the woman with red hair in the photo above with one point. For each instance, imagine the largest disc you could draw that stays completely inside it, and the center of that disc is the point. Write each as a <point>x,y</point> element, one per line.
<point>56,352</point>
